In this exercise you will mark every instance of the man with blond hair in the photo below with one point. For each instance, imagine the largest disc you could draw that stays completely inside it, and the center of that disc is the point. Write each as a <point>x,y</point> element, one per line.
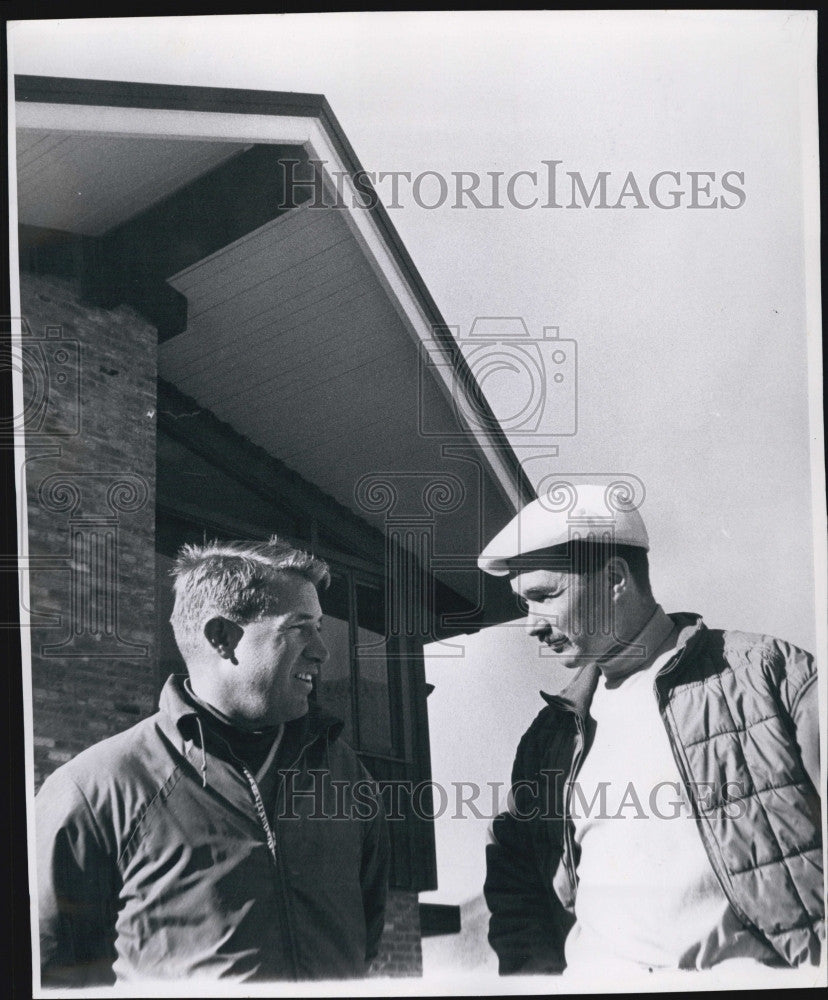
<point>233,834</point>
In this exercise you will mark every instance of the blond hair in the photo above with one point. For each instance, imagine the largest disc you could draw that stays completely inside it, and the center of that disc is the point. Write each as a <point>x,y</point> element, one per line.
<point>241,581</point>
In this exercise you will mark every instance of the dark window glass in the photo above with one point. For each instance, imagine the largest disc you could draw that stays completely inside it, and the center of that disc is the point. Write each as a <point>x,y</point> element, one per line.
<point>375,727</point>
<point>334,685</point>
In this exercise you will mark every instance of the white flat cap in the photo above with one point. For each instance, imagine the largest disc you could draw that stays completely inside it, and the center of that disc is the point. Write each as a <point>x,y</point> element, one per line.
<point>587,511</point>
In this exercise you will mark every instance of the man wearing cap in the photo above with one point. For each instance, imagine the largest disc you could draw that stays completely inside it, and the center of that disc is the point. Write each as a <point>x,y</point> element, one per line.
<point>665,811</point>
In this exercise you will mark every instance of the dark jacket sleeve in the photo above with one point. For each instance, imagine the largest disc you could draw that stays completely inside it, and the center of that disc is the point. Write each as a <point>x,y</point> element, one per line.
<point>528,926</point>
<point>373,876</point>
<point>76,889</point>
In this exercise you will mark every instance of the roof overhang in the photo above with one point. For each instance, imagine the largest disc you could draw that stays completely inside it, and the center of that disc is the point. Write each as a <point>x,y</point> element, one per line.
<point>234,121</point>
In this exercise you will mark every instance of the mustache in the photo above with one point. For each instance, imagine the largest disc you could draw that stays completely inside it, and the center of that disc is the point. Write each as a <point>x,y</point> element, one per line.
<point>548,633</point>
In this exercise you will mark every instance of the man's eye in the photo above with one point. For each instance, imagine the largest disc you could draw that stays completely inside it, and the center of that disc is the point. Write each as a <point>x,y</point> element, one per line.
<point>525,602</point>
<point>308,626</point>
<point>542,598</point>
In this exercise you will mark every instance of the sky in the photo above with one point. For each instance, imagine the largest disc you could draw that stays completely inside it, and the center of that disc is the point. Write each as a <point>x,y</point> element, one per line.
<point>690,325</point>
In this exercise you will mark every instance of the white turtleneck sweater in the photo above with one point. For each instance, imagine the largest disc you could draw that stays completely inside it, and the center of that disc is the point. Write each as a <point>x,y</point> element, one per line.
<point>647,895</point>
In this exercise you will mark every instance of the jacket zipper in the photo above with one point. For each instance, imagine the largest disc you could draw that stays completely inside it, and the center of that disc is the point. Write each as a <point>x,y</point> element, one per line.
<point>576,760</point>
<point>710,847</point>
<point>260,809</point>
<point>270,837</point>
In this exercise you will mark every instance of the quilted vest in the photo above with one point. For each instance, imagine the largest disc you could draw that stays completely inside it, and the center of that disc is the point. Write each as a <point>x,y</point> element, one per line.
<point>734,742</point>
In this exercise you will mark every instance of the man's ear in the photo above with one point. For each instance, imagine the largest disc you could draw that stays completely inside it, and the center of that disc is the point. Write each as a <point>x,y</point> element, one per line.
<point>618,574</point>
<point>223,635</point>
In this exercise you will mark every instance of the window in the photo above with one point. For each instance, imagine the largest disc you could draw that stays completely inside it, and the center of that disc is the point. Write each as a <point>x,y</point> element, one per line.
<point>360,680</point>
<point>335,687</point>
<point>376,684</point>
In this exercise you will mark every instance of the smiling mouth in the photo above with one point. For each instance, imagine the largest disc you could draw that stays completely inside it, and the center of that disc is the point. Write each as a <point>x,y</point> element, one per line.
<point>307,678</point>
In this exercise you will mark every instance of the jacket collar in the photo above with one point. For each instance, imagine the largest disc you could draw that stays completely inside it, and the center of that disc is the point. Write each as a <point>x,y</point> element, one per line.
<point>577,695</point>
<point>692,636</point>
<point>690,626</point>
<point>179,710</point>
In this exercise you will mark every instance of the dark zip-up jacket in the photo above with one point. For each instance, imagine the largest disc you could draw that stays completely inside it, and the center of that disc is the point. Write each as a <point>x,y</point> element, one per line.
<point>158,858</point>
<point>741,714</point>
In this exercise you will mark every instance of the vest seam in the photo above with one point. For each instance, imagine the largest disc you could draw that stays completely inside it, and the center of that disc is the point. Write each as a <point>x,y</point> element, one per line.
<point>808,925</point>
<point>803,688</point>
<point>750,795</point>
<point>730,732</point>
<point>775,861</point>
<point>743,664</point>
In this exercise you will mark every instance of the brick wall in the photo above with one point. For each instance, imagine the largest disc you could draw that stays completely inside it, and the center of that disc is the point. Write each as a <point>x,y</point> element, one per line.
<point>90,391</point>
<point>400,952</point>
